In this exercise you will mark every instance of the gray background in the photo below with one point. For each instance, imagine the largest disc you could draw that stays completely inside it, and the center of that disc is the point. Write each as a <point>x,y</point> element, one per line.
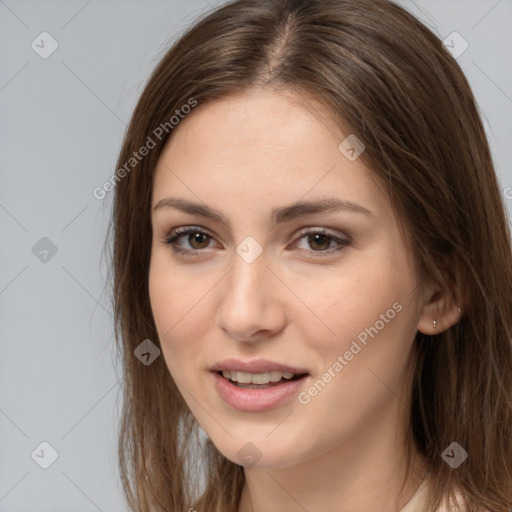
<point>62,121</point>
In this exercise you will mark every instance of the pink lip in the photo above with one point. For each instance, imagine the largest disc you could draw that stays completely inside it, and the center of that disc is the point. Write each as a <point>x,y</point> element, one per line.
<point>256,366</point>
<point>252,400</point>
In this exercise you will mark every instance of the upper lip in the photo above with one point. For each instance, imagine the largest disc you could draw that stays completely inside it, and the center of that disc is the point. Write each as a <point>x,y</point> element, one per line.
<point>255,366</point>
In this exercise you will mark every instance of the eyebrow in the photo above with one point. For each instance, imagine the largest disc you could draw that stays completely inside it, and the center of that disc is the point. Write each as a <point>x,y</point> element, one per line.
<point>278,215</point>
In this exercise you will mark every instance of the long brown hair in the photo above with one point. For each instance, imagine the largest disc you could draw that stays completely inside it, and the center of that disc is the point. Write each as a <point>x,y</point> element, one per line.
<point>383,74</point>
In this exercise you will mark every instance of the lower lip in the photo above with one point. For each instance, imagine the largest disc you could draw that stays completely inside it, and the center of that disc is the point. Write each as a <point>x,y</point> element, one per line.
<point>245,399</point>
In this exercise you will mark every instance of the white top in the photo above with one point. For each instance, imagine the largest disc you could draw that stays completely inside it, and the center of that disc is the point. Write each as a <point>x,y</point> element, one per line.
<point>419,501</point>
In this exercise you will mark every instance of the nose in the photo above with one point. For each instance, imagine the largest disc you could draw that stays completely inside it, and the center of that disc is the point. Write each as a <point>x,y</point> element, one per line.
<point>251,301</point>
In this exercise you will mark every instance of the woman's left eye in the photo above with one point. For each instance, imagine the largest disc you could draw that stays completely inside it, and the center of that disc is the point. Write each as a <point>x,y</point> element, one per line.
<point>321,241</point>
<point>318,240</point>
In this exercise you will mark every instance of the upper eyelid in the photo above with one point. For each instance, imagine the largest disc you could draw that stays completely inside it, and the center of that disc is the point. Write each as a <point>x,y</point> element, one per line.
<point>323,231</point>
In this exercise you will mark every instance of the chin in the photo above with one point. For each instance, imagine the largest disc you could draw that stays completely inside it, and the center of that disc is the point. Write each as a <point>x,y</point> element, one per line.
<point>263,451</point>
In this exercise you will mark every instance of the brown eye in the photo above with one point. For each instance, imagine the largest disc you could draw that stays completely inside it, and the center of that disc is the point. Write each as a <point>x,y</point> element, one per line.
<point>197,240</point>
<point>319,241</point>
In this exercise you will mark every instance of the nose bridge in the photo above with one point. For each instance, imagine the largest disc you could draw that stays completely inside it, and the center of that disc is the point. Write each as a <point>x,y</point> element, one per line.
<point>249,266</point>
<point>249,302</point>
<point>248,278</point>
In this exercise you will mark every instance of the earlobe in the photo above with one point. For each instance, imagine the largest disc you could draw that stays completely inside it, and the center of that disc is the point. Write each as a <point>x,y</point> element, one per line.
<point>439,313</point>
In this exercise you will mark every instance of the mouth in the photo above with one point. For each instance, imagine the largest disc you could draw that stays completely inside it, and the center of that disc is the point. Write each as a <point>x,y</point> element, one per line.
<point>257,385</point>
<point>263,380</point>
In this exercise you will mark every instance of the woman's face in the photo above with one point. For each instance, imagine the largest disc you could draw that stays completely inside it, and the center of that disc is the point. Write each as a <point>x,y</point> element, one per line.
<point>270,283</point>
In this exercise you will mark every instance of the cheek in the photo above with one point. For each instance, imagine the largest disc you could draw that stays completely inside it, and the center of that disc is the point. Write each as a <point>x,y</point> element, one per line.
<point>177,311</point>
<point>370,293</point>
<point>163,294</point>
<point>375,327</point>
<point>357,379</point>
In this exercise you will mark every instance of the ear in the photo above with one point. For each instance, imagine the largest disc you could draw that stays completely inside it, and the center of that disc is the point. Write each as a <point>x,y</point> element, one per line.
<point>440,311</point>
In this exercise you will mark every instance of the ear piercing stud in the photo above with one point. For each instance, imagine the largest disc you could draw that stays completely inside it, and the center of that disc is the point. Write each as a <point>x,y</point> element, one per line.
<point>434,322</point>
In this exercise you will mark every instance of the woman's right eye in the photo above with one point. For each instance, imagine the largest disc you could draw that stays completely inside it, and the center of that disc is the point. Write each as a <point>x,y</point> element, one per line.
<point>195,237</point>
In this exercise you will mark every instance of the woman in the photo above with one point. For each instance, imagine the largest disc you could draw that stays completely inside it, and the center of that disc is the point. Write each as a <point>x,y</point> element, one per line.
<point>308,227</point>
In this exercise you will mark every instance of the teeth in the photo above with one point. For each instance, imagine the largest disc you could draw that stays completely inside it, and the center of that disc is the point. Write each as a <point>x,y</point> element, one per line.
<point>275,376</point>
<point>256,378</point>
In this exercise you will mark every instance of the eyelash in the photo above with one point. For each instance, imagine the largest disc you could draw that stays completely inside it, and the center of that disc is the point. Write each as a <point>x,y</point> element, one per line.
<point>177,233</point>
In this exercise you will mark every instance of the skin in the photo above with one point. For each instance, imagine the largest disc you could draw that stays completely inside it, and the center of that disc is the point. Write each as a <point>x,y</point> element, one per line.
<point>243,156</point>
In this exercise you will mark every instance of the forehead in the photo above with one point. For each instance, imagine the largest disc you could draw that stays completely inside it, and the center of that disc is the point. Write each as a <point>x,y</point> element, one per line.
<point>259,150</point>
<point>255,118</point>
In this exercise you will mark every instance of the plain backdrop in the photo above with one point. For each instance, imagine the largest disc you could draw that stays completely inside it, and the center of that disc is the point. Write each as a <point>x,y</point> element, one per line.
<point>62,118</point>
